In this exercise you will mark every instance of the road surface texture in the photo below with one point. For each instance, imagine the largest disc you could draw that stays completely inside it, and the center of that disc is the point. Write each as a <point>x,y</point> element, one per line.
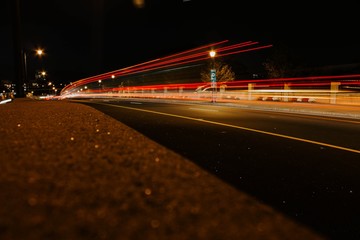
<point>69,171</point>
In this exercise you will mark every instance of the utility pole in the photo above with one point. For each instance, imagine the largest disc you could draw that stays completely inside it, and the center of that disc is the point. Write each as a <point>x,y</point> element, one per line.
<point>97,35</point>
<point>19,63</point>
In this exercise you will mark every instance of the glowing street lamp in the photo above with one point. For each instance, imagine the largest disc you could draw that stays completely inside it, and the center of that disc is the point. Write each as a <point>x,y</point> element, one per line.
<point>100,85</point>
<point>39,52</point>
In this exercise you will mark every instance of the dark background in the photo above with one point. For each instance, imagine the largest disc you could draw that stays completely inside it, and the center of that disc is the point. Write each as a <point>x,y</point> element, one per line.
<point>84,38</point>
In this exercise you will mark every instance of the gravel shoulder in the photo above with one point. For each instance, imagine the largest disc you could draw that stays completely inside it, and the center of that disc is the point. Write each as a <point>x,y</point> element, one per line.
<point>69,171</point>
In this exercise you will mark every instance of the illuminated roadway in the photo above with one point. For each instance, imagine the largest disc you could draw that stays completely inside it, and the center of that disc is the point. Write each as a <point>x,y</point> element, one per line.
<point>307,167</point>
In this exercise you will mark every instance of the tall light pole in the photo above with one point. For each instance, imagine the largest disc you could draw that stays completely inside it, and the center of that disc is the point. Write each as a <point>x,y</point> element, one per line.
<point>38,52</point>
<point>213,75</point>
<point>18,54</point>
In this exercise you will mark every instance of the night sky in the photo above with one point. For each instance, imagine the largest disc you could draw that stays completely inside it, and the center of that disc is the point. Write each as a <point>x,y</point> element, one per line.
<point>88,37</point>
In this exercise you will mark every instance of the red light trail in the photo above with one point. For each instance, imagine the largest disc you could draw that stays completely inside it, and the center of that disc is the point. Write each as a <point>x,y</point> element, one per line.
<point>186,57</point>
<point>321,88</point>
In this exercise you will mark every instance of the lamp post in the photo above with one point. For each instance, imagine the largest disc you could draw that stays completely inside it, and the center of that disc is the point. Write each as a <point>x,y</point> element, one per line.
<point>213,76</point>
<point>38,52</point>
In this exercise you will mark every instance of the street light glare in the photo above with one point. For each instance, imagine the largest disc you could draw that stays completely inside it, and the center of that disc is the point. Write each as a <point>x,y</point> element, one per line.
<point>39,52</point>
<point>212,54</point>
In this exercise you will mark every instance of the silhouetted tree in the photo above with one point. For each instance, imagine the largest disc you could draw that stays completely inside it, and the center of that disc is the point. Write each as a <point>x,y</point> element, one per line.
<point>224,72</point>
<point>278,65</point>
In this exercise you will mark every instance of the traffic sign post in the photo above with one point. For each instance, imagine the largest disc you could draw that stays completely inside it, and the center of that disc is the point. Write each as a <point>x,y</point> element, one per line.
<point>213,83</point>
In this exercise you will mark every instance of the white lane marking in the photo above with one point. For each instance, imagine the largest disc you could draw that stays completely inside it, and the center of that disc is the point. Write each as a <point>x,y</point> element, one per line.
<point>239,127</point>
<point>204,109</point>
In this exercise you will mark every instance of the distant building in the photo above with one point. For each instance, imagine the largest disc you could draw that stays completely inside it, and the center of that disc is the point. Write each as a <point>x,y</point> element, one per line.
<point>6,89</point>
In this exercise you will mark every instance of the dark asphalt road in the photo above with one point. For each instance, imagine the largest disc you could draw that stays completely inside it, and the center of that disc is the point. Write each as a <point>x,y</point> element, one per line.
<point>69,171</point>
<point>317,185</point>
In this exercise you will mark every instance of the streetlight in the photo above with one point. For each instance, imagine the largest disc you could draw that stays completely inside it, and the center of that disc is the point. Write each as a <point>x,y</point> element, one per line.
<point>100,85</point>
<point>38,52</point>
<point>212,54</point>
